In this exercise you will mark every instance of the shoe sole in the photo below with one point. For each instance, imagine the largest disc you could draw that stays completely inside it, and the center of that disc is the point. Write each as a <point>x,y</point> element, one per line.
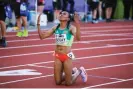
<point>83,70</point>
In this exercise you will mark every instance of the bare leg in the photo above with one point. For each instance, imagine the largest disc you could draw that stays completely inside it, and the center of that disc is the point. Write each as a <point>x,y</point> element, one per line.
<point>3,28</point>
<point>100,10</point>
<point>74,73</point>
<point>94,13</point>
<point>94,16</point>
<point>40,8</point>
<point>108,12</point>
<point>69,78</point>
<point>58,70</point>
<point>68,71</point>
<point>0,33</point>
<point>24,20</point>
<point>19,23</point>
<point>3,34</point>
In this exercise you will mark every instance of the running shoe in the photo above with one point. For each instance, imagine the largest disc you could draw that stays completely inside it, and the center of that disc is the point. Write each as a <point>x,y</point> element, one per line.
<point>100,18</point>
<point>3,42</point>
<point>25,33</point>
<point>94,21</point>
<point>83,74</point>
<point>75,75</point>
<point>74,70</point>
<point>19,34</point>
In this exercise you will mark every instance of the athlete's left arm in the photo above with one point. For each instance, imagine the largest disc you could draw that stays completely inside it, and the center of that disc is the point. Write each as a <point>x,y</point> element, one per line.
<point>77,25</point>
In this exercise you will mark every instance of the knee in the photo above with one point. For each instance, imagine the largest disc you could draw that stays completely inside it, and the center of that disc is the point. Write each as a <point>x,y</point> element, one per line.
<point>68,84</point>
<point>58,82</point>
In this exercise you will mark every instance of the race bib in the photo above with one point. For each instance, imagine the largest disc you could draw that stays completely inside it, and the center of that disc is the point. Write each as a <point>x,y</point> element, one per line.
<point>60,38</point>
<point>71,55</point>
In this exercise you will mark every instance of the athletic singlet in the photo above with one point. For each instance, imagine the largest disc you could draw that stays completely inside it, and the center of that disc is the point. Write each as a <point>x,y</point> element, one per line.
<point>63,37</point>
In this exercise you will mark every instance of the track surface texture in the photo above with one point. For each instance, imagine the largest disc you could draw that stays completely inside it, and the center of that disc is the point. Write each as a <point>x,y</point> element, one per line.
<point>105,50</point>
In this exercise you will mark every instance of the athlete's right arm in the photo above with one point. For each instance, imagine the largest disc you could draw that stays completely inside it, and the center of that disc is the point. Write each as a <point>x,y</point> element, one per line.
<point>45,34</point>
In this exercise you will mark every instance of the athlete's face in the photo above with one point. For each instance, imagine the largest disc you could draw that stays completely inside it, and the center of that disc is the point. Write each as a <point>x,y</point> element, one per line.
<point>64,16</point>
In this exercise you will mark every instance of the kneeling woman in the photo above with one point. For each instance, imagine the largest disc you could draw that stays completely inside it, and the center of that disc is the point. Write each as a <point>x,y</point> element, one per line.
<point>64,36</point>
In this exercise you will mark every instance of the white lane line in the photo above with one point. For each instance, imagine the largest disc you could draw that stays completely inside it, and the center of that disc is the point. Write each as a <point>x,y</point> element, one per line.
<point>119,39</point>
<point>82,49</point>
<point>109,34</point>
<point>104,31</point>
<point>83,58</point>
<point>26,79</point>
<point>91,32</point>
<point>53,74</point>
<point>40,66</point>
<point>110,66</point>
<point>104,84</point>
<point>112,78</point>
<point>104,67</point>
<point>40,45</point>
<point>96,35</point>
<point>35,34</point>
<point>27,65</point>
<point>99,27</point>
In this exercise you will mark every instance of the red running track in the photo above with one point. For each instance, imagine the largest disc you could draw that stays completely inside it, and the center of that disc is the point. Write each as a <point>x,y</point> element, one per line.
<point>106,51</point>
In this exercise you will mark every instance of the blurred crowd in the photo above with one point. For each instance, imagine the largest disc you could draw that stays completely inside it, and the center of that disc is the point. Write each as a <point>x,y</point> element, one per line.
<point>19,9</point>
<point>97,10</point>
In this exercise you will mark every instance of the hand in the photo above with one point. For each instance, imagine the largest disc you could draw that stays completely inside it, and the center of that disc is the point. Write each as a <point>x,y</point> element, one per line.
<point>76,18</point>
<point>38,19</point>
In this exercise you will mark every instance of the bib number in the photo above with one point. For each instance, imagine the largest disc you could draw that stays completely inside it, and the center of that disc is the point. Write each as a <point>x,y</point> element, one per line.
<point>60,38</point>
<point>71,55</point>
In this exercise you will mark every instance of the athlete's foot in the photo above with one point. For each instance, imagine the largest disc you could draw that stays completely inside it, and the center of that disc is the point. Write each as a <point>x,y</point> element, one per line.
<point>83,74</point>
<point>25,33</point>
<point>75,75</point>
<point>74,70</point>
<point>3,42</point>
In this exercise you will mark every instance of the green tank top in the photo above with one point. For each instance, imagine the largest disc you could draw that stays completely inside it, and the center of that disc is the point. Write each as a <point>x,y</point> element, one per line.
<point>63,37</point>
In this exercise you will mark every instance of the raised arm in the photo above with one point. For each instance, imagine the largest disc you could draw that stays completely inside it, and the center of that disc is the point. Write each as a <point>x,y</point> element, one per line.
<point>45,34</point>
<point>76,31</point>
